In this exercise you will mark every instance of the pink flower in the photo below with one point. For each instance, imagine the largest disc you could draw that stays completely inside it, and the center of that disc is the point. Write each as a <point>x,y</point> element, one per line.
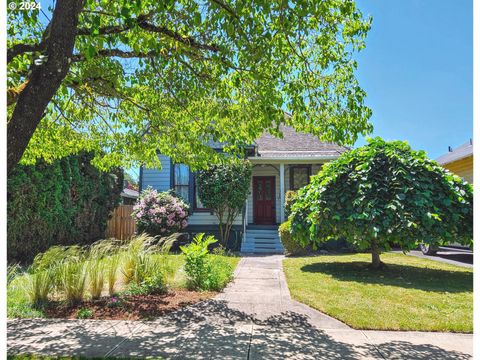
<point>184,224</point>
<point>170,222</point>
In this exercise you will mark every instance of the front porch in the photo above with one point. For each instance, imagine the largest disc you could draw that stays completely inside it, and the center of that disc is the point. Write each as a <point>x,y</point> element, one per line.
<point>265,205</point>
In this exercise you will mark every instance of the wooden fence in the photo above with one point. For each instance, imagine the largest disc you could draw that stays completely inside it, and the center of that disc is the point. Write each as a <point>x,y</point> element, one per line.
<point>121,225</point>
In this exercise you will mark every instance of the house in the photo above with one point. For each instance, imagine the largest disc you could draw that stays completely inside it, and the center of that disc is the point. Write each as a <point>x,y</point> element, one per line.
<point>129,194</point>
<point>459,161</point>
<point>278,165</point>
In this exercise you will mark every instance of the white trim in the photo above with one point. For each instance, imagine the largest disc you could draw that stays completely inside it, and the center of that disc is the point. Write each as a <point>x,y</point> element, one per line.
<point>292,158</point>
<point>282,192</point>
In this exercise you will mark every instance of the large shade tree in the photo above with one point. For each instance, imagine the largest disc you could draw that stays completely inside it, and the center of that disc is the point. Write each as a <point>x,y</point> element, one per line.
<point>381,194</point>
<point>127,78</point>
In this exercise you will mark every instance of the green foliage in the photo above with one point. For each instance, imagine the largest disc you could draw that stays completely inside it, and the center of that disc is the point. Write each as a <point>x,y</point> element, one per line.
<point>38,286</point>
<point>290,198</point>
<point>220,72</point>
<point>154,284</point>
<point>224,189</point>
<point>291,246</point>
<point>84,313</point>
<point>205,271</point>
<point>112,264</point>
<point>383,193</point>
<point>66,202</point>
<point>72,279</point>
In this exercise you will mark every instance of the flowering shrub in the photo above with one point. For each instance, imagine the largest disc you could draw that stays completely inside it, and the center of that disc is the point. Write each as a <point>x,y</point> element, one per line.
<point>160,213</point>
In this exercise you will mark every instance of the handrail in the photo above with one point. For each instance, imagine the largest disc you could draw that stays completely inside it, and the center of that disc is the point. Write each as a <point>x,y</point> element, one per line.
<point>245,220</point>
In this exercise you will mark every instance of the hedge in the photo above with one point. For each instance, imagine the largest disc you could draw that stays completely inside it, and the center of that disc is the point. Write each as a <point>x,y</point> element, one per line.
<point>62,203</point>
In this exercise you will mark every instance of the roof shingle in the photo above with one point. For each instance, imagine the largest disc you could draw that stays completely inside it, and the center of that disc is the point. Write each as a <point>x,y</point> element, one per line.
<point>295,144</point>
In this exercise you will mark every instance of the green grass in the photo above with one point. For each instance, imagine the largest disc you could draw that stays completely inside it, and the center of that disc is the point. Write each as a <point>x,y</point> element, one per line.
<point>19,306</point>
<point>410,294</point>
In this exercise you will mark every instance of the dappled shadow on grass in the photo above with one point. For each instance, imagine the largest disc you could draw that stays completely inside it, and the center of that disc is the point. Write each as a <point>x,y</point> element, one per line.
<point>405,276</point>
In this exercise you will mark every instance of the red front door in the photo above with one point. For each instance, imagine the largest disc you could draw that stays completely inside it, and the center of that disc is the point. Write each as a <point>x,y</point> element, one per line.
<point>264,200</point>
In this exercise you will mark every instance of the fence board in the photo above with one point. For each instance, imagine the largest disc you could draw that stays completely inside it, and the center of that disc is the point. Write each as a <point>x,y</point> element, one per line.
<point>121,225</point>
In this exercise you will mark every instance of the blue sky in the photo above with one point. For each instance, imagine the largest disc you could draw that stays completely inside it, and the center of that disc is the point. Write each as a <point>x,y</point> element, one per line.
<point>417,71</point>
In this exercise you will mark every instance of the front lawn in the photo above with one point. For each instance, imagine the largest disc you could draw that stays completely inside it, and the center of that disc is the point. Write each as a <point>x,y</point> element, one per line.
<point>410,294</point>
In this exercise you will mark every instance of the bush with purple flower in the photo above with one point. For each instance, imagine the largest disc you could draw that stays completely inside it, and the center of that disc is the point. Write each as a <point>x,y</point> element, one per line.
<point>160,213</point>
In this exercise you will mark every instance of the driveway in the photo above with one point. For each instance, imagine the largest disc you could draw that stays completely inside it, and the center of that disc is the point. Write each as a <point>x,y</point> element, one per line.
<point>254,318</point>
<point>449,255</point>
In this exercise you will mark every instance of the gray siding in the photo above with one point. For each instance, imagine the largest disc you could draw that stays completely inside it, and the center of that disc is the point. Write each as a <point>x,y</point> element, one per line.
<point>158,178</point>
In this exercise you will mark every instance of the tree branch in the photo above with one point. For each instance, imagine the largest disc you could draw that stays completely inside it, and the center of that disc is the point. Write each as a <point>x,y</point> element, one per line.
<point>187,40</point>
<point>116,53</point>
<point>19,49</point>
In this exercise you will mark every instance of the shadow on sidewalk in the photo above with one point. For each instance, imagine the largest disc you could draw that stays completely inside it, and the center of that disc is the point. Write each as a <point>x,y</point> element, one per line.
<point>207,330</point>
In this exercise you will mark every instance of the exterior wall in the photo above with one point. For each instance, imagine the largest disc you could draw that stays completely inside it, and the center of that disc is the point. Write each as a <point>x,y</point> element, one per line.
<point>157,178</point>
<point>234,241</point>
<point>160,179</point>
<point>462,168</point>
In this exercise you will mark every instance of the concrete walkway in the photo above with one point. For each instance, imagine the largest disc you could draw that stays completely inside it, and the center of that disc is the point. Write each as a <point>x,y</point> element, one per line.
<point>254,318</point>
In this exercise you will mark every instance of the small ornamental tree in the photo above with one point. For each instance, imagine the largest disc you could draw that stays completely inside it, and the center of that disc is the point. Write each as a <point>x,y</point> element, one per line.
<point>160,213</point>
<point>380,194</point>
<point>223,189</point>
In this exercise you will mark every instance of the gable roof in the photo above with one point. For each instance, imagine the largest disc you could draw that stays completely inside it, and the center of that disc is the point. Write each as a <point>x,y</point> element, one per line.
<point>459,153</point>
<point>295,145</point>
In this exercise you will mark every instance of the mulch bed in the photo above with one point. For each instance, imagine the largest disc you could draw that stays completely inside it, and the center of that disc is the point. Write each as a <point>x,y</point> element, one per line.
<point>132,307</point>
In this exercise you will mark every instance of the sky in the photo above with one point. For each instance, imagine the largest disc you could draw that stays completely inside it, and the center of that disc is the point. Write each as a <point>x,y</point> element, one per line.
<point>417,71</point>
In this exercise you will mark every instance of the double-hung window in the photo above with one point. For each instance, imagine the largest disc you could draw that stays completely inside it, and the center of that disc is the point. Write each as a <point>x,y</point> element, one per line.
<point>299,176</point>
<point>181,181</point>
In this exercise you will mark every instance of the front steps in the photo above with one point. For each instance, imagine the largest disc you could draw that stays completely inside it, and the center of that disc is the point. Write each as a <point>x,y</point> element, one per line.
<point>261,239</point>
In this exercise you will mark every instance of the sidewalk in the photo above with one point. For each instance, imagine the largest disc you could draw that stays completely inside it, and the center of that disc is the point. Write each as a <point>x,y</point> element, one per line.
<point>254,318</point>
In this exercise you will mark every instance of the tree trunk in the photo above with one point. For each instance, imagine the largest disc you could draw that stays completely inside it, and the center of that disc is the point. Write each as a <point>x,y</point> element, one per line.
<point>44,79</point>
<point>376,262</point>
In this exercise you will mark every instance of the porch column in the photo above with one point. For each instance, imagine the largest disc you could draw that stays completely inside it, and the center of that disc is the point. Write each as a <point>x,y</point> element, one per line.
<point>282,192</point>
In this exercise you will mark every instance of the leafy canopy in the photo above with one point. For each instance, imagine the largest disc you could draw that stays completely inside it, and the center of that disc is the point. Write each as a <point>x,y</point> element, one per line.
<point>384,192</point>
<point>172,76</point>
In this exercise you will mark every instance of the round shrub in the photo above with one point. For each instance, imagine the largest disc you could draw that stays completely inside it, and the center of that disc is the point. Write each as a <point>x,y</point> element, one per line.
<point>291,246</point>
<point>160,213</point>
<point>384,193</point>
<point>290,198</point>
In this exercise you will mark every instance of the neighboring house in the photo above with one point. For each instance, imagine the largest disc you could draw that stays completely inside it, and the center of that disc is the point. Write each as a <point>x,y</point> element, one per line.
<point>129,196</point>
<point>459,161</point>
<point>278,165</point>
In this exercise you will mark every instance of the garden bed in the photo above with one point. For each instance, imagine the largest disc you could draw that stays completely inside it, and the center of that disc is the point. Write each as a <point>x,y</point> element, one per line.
<point>130,307</point>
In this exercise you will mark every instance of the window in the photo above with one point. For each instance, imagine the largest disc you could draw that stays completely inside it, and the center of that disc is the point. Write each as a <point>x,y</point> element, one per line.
<point>198,203</point>
<point>181,180</point>
<point>299,176</point>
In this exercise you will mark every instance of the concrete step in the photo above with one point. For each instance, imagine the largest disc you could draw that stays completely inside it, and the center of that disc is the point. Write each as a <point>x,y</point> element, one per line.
<point>262,241</point>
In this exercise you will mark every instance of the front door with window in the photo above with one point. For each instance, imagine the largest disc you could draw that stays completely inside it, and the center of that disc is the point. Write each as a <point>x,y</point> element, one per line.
<point>264,200</point>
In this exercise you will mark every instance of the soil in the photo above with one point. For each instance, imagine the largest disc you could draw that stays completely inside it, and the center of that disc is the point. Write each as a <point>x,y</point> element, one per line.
<point>131,307</point>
